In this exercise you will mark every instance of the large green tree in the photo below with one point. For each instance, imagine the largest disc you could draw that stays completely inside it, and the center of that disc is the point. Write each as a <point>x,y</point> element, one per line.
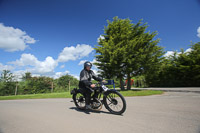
<point>127,50</point>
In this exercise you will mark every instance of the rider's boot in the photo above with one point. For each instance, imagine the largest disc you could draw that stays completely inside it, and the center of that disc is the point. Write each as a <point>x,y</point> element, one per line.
<point>88,107</point>
<point>97,102</point>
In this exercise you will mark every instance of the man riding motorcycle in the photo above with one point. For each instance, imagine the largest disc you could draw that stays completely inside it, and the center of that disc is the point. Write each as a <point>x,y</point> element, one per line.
<point>85,83</point>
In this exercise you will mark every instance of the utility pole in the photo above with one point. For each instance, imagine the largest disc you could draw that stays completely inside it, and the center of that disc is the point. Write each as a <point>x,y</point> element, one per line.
<point>69,86</point>
<point>16,88</point>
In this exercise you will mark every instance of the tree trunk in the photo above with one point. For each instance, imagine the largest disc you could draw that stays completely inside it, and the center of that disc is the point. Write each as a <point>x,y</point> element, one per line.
<point>122,84</point>
<point>129,82</point>
<point>52,87</point>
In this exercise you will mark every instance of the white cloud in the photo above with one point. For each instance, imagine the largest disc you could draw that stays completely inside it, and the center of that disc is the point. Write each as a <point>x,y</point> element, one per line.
<point>35,66</point>
<point>5,67</point>
<point>82,62</point>
<point>25,60</point>
<point>188,50</point>
<point>198,32</point>
<point>171,53</point>
<point>75,76</point>
<point>63,66</point>
<point>73,53</point>
<point>59,74</point>
<point>100,37</point>
<point>95,71</point>
<point>14,39</point>
<point>93,61</point>
<point>94,67</point>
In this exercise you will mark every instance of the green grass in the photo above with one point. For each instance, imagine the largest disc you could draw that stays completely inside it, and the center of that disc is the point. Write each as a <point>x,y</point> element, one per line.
<point>129,93</point>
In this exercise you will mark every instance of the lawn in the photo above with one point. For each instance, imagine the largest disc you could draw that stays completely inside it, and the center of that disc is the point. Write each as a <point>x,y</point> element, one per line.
<point>128,93</point>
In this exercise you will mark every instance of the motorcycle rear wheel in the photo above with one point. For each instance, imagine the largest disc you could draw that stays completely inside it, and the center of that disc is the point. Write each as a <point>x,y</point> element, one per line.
<point>79,100</point>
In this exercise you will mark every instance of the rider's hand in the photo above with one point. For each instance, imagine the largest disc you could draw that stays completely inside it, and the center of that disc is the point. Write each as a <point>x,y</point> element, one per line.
<point>93,85</point>
<point>104,81</point>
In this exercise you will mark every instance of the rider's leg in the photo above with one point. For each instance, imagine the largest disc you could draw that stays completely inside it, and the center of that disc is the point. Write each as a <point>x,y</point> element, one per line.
<point>88,99</point>
<point>95,96</point>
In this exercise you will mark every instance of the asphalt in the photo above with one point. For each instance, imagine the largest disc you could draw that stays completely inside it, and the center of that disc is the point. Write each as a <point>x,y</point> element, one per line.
<point>171,112</point>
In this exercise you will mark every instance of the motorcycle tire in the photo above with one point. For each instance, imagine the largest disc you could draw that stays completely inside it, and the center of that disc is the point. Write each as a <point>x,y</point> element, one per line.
<point>114,102</point>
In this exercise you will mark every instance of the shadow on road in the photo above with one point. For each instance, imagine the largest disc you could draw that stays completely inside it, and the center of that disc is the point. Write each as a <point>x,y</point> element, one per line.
<point>88,111</point>
<point>1,131</point>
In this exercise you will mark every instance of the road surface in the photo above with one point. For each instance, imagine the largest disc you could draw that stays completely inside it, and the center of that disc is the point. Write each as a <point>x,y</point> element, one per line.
<point>172,112</point>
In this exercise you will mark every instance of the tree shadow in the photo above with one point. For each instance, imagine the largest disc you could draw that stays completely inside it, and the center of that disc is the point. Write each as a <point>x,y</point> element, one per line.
<point>1,131</point>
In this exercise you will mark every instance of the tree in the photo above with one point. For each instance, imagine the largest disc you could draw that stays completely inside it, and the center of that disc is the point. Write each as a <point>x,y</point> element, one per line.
<point>63,81</point>
<point>180,69</point>
<point>7,86</point>
<point>6,76</point>
<point>127,50</point>
<point>195,63</point>
<point>27,76</point>
<point>38,85</point>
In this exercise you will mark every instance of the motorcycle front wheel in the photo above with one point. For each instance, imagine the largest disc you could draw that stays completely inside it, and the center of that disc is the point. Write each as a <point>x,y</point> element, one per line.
<point>114,102</point>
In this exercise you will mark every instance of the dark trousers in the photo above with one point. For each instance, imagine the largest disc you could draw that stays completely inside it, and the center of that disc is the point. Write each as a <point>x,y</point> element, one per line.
<point>88,92</point>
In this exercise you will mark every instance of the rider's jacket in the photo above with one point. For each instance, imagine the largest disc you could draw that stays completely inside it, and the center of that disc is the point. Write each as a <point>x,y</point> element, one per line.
<point>86,77</point>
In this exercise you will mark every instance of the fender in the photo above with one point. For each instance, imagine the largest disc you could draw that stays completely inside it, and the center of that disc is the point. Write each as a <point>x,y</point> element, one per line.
<point>74,91</point>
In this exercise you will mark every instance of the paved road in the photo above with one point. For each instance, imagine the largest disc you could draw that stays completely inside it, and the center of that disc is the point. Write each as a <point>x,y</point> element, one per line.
<point>172,112</point>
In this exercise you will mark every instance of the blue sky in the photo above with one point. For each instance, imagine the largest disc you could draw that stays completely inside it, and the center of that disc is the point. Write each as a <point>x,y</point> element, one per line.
<point>54,37</point>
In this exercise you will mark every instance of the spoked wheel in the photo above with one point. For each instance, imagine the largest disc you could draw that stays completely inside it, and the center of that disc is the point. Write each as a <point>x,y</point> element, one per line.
<point>79,100</point>
<point>115,102</point>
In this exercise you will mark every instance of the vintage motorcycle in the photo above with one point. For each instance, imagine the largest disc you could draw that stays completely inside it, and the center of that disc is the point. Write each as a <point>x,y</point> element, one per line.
<point>112,99</point>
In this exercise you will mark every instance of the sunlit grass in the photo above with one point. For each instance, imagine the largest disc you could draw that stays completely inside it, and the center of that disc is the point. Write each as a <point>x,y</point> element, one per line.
<point>128,93</point>
<point>131,93</point>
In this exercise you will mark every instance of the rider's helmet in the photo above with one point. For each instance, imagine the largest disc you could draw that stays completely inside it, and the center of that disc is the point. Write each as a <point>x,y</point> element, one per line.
<point>87,63</point>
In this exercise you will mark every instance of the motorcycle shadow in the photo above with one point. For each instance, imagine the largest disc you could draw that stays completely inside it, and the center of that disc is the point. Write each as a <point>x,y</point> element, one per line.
<point>86,111</point>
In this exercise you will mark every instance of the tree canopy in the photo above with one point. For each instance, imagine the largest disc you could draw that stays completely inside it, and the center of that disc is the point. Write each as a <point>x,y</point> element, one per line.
<point>126,50</point>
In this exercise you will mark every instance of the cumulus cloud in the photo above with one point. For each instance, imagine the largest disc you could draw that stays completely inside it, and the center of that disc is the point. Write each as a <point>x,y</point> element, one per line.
<point>188,50</point>
<point>73,53</point>
<point>14,39</point>
<point>100,37</point>
<point>59,74</point>
<point>171,53</point>
<point>94,67</point>
<point>33,65</point>
<point>82,62</point>
<point>63,66</point>
<point>198,32</point>
<point>30,63</point>
<point>5,67</point>
<point>25,60</point>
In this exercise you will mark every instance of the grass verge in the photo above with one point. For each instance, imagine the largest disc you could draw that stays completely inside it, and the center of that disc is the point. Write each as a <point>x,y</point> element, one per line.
<point>128,93</point>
